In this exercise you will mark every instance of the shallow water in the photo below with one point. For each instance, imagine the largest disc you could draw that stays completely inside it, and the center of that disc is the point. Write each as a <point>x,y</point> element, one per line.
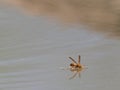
<point>32,50</point>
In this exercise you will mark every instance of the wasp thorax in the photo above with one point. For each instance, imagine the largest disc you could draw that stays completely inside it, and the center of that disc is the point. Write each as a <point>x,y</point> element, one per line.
<point>78,66</point>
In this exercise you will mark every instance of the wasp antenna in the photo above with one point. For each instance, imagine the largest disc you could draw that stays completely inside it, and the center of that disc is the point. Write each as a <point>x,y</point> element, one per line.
<point>73,60</point>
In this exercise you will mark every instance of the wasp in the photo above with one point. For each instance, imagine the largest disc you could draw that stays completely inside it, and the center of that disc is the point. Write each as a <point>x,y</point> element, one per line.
<point>76,67</point>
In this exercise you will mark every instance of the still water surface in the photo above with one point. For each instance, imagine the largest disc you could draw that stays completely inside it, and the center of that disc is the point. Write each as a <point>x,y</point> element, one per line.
<point>32,50</point>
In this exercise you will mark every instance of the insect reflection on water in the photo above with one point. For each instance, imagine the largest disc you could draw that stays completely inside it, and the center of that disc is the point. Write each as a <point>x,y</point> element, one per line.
<point>75,67</point>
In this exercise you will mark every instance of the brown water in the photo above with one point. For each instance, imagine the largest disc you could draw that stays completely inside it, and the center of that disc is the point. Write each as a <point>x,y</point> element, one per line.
<point>99,15</point>
<point>32,50</point>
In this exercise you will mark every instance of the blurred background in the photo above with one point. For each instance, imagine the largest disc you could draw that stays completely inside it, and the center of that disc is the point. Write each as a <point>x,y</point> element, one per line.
<point>38,36</point>
<point>98,15</point>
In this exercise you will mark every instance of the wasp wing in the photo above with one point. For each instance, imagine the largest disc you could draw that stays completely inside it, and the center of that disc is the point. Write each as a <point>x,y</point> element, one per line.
<point>79,59</point>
